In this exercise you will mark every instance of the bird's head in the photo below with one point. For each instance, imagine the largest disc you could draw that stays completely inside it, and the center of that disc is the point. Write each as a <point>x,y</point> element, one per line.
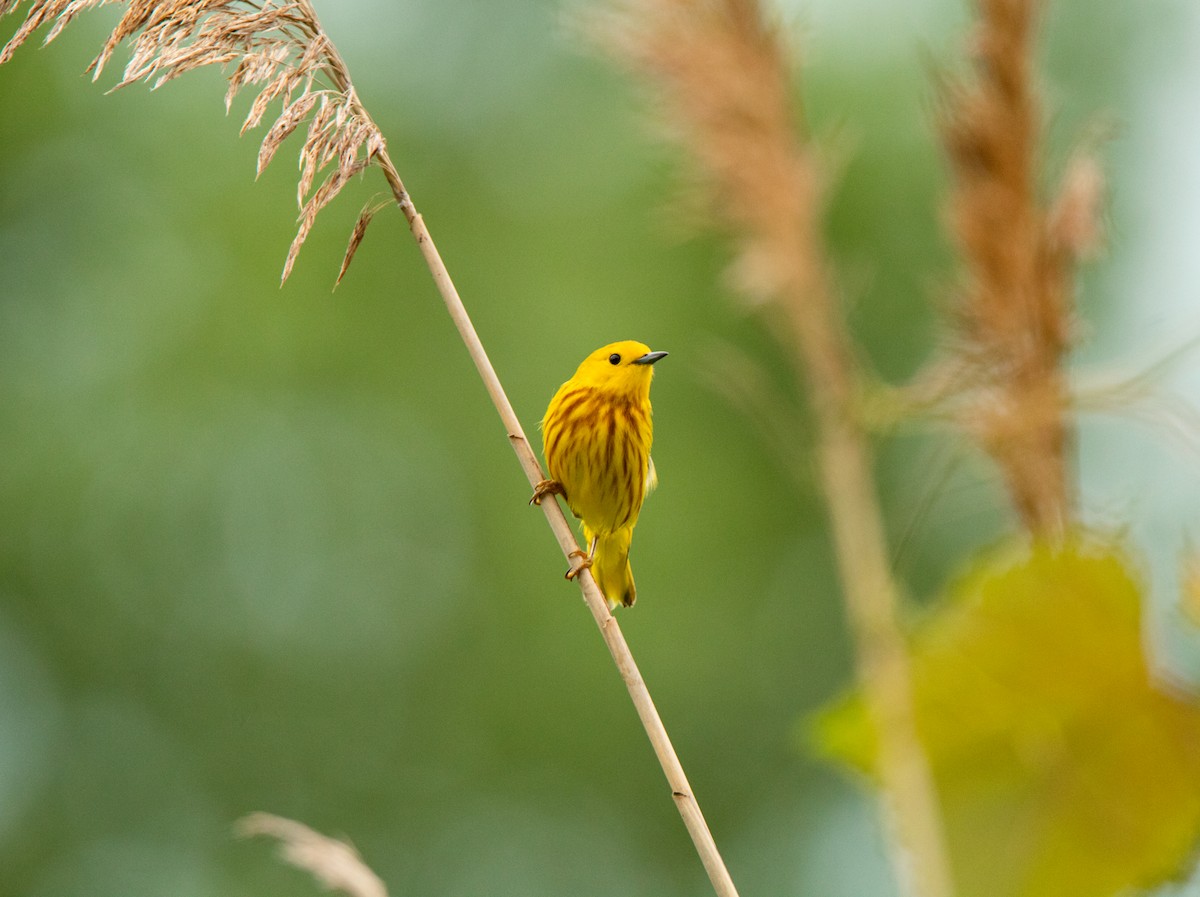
<point>623,368</point>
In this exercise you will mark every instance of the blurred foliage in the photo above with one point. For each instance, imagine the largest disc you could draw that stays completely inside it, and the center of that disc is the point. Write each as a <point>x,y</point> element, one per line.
<point>1064,769</point>
<point>269,550</point>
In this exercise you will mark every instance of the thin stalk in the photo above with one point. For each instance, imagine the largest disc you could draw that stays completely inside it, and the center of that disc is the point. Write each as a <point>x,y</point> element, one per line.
<point>871,596</point>
<point>681,790</point>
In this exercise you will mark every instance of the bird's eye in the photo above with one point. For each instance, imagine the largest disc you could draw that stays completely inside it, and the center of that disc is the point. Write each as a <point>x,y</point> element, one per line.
<point>614,358</point>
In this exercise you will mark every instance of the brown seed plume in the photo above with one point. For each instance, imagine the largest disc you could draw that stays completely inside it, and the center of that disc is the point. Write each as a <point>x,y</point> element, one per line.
<point>724,83</point>
<point>277,48</point>
<point>1015,301</point>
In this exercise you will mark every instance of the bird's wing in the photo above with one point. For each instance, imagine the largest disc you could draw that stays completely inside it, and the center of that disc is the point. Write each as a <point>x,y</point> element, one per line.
<point>651,476</point>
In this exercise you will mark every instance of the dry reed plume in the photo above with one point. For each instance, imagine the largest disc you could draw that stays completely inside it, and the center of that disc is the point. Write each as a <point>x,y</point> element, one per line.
<point>1015,305</point>
<point>335,864</point>
<point>720,72</point>
<point>726,95</point>
<point>283,47</point>
<point>277,47</point>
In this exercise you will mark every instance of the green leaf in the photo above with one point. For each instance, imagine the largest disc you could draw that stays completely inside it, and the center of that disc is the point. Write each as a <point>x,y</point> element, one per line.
<point>1063,768</point>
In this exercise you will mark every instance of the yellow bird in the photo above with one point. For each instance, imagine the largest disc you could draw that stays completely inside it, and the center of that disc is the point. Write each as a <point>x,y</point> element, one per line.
<point>596,437</point>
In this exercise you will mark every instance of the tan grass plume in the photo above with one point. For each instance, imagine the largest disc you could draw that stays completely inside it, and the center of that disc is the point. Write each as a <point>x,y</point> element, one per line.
<point>275,47</point>
<point>724,85</point>
<point>1015,302</point>
<point>334,864</point>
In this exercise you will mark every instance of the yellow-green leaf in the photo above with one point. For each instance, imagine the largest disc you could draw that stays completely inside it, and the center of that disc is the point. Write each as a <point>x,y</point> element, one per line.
<point>1063,768</point>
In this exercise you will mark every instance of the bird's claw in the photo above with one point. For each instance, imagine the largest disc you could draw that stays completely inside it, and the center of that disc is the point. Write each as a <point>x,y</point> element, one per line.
<point>544,488</point>
<point>585,561</point>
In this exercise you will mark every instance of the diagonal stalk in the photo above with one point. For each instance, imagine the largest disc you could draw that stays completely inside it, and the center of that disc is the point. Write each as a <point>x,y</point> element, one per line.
<point>681,791</point>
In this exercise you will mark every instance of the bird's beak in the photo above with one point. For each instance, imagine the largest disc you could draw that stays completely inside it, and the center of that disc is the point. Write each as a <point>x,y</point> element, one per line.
<point>649,358</point>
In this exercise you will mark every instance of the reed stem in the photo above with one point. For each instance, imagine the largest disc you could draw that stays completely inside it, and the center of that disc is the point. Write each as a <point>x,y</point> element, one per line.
<point>681,790</point>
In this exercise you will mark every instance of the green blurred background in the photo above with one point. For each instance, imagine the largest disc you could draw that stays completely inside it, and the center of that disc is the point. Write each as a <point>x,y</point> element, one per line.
<point>268,549</point>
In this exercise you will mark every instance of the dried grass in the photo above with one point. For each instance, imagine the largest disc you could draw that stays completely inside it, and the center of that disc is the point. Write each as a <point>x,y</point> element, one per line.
<point>1015,304</point>
<point>334,864</point>
<point>723,83</point>
<point>276,48</point>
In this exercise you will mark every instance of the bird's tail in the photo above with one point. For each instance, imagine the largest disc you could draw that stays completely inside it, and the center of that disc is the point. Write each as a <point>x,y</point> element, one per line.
<point>610,566</point>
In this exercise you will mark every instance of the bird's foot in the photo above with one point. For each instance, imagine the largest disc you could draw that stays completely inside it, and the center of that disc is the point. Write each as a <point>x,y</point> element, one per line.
<point>544,488</point>
<point>585,562</point>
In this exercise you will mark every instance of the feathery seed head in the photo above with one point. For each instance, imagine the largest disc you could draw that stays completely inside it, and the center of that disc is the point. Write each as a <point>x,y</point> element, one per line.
<point>622,368</point>
<point>276,47</point>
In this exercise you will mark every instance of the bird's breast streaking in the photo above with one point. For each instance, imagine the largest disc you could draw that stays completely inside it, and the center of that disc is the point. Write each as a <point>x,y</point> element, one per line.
<point>596,437</point>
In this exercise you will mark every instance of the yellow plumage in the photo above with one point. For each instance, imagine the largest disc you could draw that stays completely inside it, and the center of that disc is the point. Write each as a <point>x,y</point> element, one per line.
<point>596,437</point>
